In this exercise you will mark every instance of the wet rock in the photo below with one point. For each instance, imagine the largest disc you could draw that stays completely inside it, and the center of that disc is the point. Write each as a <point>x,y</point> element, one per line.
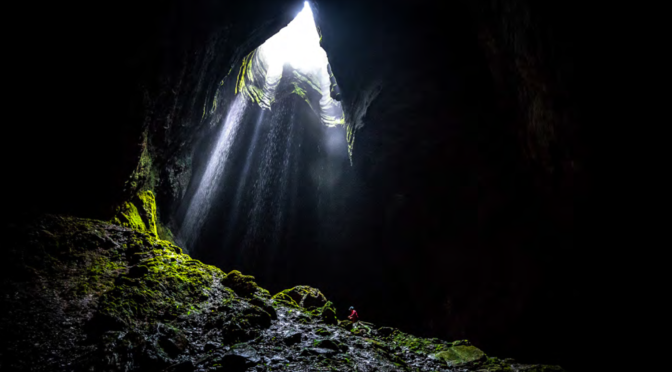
<point>244,285</point>
<point>210,346</point>
<point>316,351</point>
<point>172,347</point>
<point>345,324</point>
<point>246,351</point>
<point>102,323</point>
<point>265,306</point>
<point>303,318</point>
<point>385,331</point>
<point>327,314</point>
<point>293,338</point>
<point>179,316</point>
<point>277,359</point>
<point>240,358</point>
<point>233,363</point>
<point>323,332</point>
<point>258,317</point>
<point>331,345</point>
<point>151,359</point>
<point>186,366</point>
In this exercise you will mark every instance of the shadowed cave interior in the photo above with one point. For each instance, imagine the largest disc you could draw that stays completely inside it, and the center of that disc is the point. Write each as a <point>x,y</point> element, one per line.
<point>429,166</point>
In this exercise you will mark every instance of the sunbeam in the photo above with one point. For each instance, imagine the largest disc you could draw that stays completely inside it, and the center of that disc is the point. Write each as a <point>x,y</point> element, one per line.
<point>259,180</point>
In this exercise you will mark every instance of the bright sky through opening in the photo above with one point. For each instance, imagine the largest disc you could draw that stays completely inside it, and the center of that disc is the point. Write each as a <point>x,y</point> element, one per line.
<point>298,44</point>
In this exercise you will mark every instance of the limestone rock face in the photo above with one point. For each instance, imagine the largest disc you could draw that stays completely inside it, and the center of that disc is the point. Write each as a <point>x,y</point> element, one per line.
<point>90,295</point>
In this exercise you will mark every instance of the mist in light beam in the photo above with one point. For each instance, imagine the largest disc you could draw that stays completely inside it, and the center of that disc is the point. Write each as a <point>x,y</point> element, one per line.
<point>272,174</point>
<point>200,203</point>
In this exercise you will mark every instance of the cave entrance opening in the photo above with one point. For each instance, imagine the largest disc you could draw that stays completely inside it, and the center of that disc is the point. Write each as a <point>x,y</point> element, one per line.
<point>277,151</point>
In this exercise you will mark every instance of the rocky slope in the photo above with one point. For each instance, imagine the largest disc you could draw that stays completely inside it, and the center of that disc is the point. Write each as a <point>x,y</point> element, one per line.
<point>86,295</point>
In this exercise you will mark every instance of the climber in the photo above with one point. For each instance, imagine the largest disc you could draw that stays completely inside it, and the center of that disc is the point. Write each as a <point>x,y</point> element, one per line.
<point>353,315</point>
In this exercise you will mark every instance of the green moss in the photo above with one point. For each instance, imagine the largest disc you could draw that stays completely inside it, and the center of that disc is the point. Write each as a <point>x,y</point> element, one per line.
<point>303,297</point>
<point>99,276</point>
<point>148,207</point>
<point>214,102</point>
<point>456,355</point>
<point>244,285</point>
<point>252,81</point>
<point>417,344</point>
<point>244,66</point>
<point>350,137</point>
<point>327,313</point>
<point>139,214</point>
<point>246,77</point>
<point>323,332</point>
<point>137,281</point>
<point>164,284</point>
<point>309,80</point>
<point>128,216</point>
<point>332,121</point>
<point>302,93</point>
<point>284,299</point>
<point>494,365</point>
<point>165,233</point>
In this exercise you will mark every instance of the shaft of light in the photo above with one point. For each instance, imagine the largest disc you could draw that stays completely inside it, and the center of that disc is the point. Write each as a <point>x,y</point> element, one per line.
<point>200,203</point>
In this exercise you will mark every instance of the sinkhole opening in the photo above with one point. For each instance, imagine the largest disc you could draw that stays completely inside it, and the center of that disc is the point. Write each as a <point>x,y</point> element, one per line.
<point>275,154</point>
<point>294,54</point>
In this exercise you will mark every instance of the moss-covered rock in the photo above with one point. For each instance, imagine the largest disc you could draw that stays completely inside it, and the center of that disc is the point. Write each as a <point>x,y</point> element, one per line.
<point>244,285</point>
<point>457,355</point>
<point>161,284</point>
<point>139,213</point>
<point>97,296</point>
<point>283,299</point>
<point>495,365</point>
<point>165,233</point>
<point>424,346</point>
<point>304,296</point>
<point>147,209</point>
<point>327,313</point>
<point>128,216</point>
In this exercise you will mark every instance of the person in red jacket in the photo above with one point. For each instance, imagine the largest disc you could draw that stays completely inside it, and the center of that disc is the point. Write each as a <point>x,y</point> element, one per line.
<point>353,314</point>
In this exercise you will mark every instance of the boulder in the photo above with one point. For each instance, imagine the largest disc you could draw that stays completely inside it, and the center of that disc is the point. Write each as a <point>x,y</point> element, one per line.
<point>331,345</point>
<point>327,314</point>
<point>306,297</point>
<point>292,338</point>
<point>243,285</point>
<point>456,355</point>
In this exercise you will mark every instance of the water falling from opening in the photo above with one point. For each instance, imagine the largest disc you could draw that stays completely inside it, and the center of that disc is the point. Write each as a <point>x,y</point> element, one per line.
<point>269,184</point>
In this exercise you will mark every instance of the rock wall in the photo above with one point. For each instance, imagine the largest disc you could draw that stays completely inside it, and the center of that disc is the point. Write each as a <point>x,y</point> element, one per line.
<point>117,112</point>
<point>125,97</point>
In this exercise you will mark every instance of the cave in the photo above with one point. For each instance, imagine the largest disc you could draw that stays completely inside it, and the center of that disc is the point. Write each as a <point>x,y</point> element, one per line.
<point>211,186</point>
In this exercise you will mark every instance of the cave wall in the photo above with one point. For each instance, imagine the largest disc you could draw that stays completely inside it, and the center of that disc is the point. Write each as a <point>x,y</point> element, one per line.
<point>124,89</point>
<point>469,158</point>
<point>471,165</point>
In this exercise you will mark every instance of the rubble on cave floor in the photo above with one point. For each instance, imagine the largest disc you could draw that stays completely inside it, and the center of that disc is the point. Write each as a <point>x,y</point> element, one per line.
<point>86,295</point>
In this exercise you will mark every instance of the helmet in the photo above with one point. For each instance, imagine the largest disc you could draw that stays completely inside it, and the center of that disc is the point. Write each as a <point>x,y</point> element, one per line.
<point>351,308</point>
